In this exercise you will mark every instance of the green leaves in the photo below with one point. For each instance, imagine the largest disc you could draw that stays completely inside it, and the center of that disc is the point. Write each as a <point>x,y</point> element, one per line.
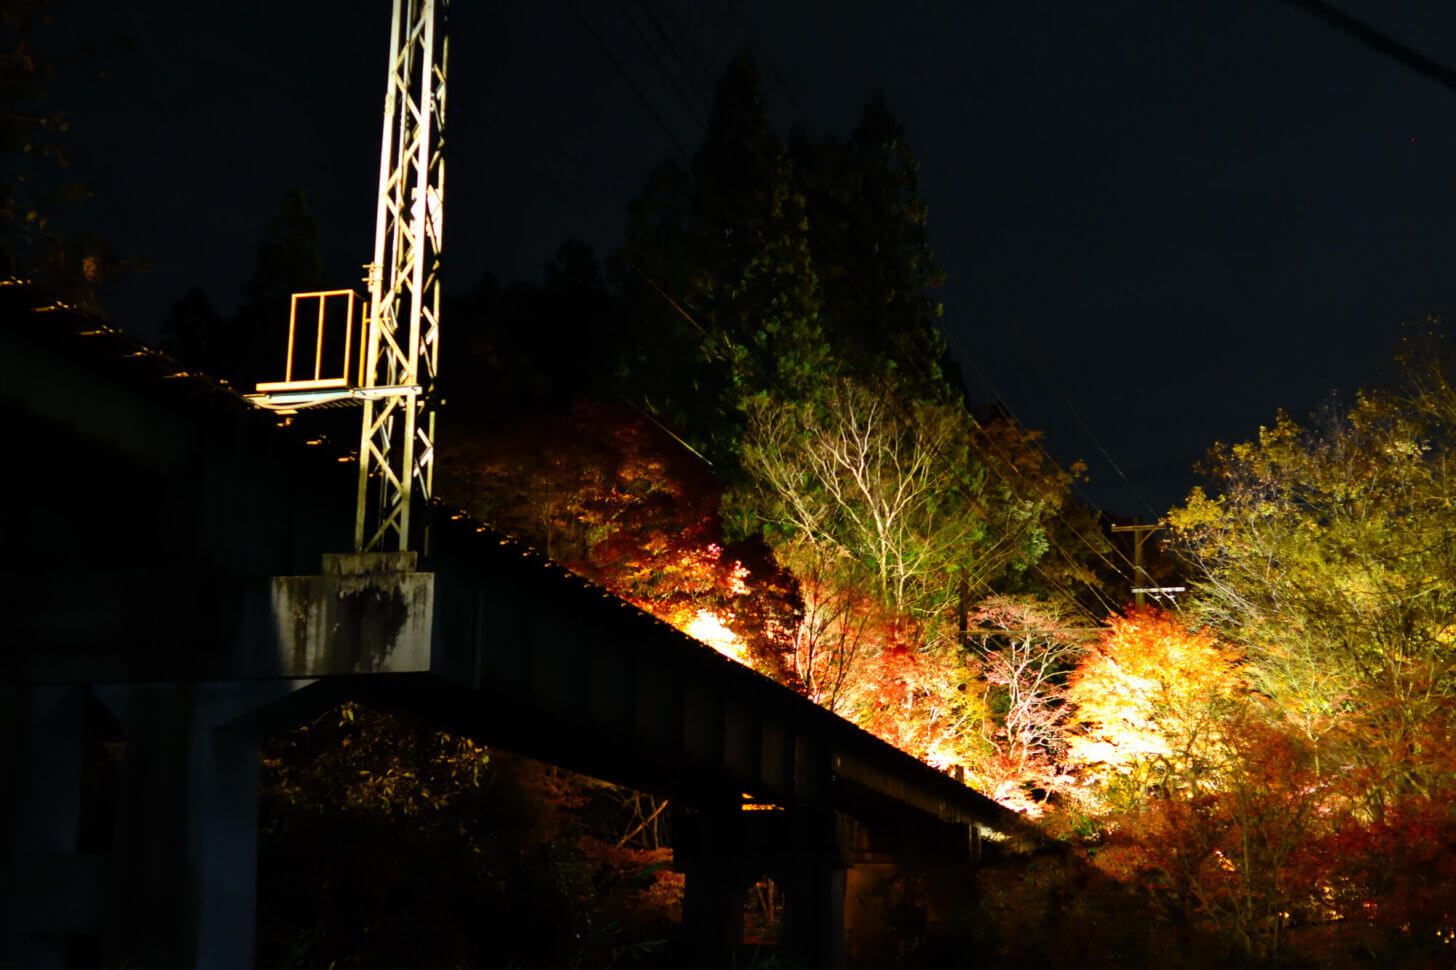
<point>886,486</point>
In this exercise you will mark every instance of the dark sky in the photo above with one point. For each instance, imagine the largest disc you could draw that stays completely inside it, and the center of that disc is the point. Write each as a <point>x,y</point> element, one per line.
<point>1160,221</point>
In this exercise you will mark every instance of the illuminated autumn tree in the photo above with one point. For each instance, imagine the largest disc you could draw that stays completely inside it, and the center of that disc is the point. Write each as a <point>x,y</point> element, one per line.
<point>1272,857</point>
<point>1296,809</point>
<point>837,629</point>
<point>568,483</point>
<point>1149,697</point>
<point>890,487</point>
<point>1389,885</point>
<point>930,704</point>
<point>887,517</point>
<point>1027,491</point>
<point>1234,852</point>
<point>1024,666</point>
<point>1326,553</point>
<point>609,494</point>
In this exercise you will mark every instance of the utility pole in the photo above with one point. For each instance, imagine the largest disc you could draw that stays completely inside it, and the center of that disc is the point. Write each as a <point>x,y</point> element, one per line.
<point>1140,587</point>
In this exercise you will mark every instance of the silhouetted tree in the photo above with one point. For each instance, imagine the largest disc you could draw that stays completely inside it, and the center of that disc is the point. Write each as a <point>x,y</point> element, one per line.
<point>286,263</point>
<point>250,345</point>
<point>35,181</point>
<point>872,253</point>
<point>528,346</point>
<point>717,269</point>
<point>193,332</point>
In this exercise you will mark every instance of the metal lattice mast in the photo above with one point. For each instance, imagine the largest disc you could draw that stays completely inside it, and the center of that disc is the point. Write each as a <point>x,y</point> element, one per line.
<point>402,346</point>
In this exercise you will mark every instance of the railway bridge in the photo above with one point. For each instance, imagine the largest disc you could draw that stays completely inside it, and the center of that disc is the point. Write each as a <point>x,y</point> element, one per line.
<point>174,558</point>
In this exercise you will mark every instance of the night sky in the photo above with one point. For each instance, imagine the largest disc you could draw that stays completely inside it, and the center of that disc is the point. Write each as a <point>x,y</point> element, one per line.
<point>1160,219</point>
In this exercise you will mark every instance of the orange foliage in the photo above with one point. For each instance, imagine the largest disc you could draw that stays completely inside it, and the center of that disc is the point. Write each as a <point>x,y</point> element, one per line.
<point>613,497</point>
<point>927,703</point>
<point>1277,845</point>
<point>639,886</point>
<point>1235,851</point>
<point>1220,810</point>
<point>1146,697</point>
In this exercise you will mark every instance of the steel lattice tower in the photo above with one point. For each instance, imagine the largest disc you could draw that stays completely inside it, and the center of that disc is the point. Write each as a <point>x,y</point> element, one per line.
<point>402,343</point>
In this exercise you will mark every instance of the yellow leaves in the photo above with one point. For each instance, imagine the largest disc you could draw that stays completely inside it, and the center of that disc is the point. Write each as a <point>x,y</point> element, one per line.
<point>708,627</point>
<point>1145,695</point>
<point>1152,647</point>
<point>1198,510</point>
<point>1324,550</point>
<point>365,762</point>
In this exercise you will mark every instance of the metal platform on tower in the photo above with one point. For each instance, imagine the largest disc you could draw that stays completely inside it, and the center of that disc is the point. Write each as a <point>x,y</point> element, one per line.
<point>393,378</point>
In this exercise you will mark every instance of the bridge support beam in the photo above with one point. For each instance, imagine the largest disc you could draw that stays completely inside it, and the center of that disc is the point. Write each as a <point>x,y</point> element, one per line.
<point>721,852</point>
<point>367,613</point>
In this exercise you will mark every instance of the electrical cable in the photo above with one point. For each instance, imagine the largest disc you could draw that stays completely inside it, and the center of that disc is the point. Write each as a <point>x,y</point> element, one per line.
<point>860,291</point>
<point>630,83</point>
<point>857,286</point>
<point>1002,403</point>
<point>1115,466</point>
<point>673,49</point>
<point>652,52</point>
<point>1378,41</point>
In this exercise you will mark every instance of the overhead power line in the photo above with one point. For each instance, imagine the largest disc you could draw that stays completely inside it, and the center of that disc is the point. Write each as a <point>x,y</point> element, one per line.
<point>652,52</point>
<point>674,49</point>
<point>859,290</point>
<point>622,72</point>
<point>925,367</point>
<point>1107,455</point>
<point>1001,401</point>
<point>1375,40</point>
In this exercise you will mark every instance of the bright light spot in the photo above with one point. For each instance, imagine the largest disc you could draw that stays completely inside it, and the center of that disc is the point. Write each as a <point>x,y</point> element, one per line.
<point>941,756</point>
<point>709,628</point>
<point>1009,794</point>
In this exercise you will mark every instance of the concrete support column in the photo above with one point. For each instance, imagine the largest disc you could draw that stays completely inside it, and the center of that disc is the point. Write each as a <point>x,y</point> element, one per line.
<point>874,893</point>
<point>184,879</point>
<point>708,851</point>
<point>814,913</point>
<point>50,890</point>
<point>912,892</point>
<point>712,923</point>
<point>722,851</point>
<point>951,898</point>
<point>815,850</point>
